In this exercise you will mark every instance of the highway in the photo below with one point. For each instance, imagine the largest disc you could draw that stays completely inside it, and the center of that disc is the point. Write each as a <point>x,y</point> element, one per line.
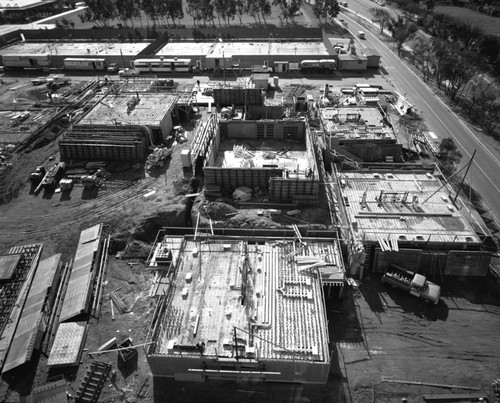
<point>440,119</point>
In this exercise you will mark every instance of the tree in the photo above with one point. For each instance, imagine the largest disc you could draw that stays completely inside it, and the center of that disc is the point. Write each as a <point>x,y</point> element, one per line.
<point>99,12</point>
<point>456,70</point>
<point>382,17</point>
<point>449,155</point>
<point>423,51</point>
<point>332,8</point>
<point>175,11</point>
<point>241,8</point>
<point>319,9</point>
<point>401,30</point>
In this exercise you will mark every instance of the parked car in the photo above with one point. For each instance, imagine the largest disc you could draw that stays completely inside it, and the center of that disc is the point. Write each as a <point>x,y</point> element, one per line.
<point>113,68</point>
<point>128,72</point>
<point>39,81</point>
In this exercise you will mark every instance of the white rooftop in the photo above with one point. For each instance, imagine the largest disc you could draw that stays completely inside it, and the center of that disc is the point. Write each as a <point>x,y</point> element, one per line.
<point>228,49</point>
<point>75,49</point>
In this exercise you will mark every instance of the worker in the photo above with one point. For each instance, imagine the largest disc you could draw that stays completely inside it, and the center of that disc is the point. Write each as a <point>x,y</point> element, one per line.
<point>198,84</point>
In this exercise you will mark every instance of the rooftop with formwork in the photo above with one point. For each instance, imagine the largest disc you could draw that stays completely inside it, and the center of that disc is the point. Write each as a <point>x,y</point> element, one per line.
<point>360,122</point>
<point>404,207</point>
<point>75,49</point>
<point>292,157</point>
<point>130,109</point>
<point>239,302</point>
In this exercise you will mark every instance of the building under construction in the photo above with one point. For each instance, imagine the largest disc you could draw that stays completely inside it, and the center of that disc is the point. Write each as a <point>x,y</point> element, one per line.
<point>240,147</point>
<point>359,133</point>
<point>411,218</point>
<point>120,127</point>
<point>242,309</point>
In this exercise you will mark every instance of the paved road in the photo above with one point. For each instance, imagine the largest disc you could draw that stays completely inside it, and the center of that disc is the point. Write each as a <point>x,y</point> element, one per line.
<point>441,120</point>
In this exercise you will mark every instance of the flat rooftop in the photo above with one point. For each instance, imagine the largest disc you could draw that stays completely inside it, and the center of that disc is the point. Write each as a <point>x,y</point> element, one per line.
<point>114,109</point>
<point>290,156</point>
<point>23,4</point>
<point>414,206</point>
<point>283,306</point>
<point>75,49</point>
<point>229,49</point>
<point>355,123</point>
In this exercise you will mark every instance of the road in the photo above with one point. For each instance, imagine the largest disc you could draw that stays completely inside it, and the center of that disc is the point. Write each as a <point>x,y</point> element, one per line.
<point>440,119</point>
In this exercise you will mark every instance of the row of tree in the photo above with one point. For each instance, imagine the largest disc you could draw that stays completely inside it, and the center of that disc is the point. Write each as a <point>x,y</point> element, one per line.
<point>203,12</point>
<point>454,60</point>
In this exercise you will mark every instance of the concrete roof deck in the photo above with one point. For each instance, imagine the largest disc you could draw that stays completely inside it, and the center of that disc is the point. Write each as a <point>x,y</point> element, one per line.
<point>228,49</point>
<point>284,304</point>
<point>295,161</point>
<point>113,109</point>
<point>335,122</point>
<point>433,220</point>
<point>76,49</point>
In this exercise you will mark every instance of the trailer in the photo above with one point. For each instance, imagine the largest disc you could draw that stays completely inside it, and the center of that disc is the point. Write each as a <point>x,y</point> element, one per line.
<point>87,64</point>
<point>37,61</point>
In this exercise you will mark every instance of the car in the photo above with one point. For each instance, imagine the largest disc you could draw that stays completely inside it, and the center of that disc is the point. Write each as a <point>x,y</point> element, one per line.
<point>113,68</point>
<point>39,81</point>
<point>128,72</point>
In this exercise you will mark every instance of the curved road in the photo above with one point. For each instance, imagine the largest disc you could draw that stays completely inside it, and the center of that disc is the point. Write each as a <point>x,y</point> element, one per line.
<point>484,173</point>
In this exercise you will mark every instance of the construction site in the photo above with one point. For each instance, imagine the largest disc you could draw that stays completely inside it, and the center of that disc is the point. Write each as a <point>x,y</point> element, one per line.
<point>230,229</point>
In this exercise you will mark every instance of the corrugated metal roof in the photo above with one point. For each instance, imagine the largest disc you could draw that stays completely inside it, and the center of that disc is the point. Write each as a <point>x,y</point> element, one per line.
<point>23,343</point>
<point>78,291</point>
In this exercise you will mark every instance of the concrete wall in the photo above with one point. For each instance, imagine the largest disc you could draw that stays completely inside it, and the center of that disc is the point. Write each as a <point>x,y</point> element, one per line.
<point>263,129</point>
<point>231,178</point>
<point>177,366</point>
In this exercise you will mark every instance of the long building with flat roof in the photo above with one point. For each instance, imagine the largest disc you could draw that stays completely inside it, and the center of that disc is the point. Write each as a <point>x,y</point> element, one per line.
<point>242,310</point>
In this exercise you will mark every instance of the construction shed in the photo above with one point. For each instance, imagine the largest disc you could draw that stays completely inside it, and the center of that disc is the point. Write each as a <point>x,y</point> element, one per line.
<point>120,127</point>
<point>352,61</point>
<point>262,317</point>
<point>408,218</point>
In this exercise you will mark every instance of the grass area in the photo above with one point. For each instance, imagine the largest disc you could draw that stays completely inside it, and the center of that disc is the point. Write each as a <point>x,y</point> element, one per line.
<point>489,25</point>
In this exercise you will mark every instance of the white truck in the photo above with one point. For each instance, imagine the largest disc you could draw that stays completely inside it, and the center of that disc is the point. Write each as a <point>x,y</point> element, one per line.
<point>413,283</point>
<point>128,72</point>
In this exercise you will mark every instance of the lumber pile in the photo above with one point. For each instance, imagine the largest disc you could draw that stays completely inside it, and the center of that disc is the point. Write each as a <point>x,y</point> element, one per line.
<point>388,244</point>
<point>117,302</point>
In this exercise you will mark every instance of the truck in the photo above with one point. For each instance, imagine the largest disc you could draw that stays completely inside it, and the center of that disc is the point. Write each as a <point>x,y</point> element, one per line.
<point>361,35</point>
<point>37,175</point>
<point>128,72</point>
<point>414,283</point>
<point>57,81</point>
<point>52,177</point>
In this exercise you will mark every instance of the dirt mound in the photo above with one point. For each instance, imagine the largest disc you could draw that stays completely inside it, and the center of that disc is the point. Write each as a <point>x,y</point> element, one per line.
<point>243,220</point>
<point>216,210</point>
<point>184,186</point>
<point>137,250</point>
